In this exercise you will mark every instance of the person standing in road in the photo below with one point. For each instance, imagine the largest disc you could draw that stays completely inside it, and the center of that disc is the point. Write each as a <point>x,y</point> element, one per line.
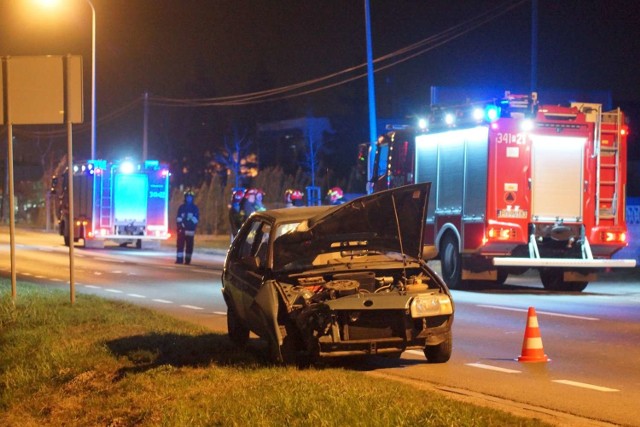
<point>186,223</point>
<point>248,204</point>
<point>235,216</point>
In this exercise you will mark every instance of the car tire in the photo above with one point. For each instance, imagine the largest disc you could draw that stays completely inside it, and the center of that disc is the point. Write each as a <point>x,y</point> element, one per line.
<point>451,262</point>
<point>238,333</point>
<point>292,349</point>
<point>440,353</point>
<point>553,280</point>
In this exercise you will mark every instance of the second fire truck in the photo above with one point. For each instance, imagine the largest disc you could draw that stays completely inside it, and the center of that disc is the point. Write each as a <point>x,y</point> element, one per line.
<point>516,185</point>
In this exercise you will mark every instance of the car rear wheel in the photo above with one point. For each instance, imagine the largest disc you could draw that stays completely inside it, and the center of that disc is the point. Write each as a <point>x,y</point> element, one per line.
<point>451,262</point>
<point>238,333</point>
<point>439,353</point>
<point>553,280</point>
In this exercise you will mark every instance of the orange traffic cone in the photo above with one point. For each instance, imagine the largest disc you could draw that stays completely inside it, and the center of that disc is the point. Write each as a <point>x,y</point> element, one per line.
<point>532,350</point>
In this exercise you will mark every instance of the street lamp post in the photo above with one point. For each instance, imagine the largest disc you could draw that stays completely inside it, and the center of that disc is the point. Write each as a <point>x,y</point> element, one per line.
<point>93,80</point>
<point>50,3</point>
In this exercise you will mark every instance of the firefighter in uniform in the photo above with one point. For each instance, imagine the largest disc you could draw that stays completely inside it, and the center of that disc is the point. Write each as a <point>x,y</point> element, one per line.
<point>186,223</point>
<point>259,203</point>
<point>335,195</point>
<point>235,217</point>
<point>293,198</point>
<point>248,204</point>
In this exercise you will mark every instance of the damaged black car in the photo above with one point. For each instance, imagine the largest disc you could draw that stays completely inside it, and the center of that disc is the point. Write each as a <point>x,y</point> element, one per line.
<point>339,281</point>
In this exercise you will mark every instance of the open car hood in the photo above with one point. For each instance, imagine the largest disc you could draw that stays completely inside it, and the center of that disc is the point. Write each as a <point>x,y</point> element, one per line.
<point>388,221</point>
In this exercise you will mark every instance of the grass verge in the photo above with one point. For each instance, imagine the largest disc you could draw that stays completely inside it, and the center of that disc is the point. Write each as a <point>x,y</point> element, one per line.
<point>102,362</point>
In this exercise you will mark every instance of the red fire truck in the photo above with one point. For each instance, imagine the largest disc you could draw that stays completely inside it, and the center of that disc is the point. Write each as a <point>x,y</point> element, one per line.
<point>516,185</point>
<point>122,201</point>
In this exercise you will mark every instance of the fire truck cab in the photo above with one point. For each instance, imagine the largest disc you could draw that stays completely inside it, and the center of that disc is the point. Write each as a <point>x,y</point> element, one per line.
<point>516,185</point>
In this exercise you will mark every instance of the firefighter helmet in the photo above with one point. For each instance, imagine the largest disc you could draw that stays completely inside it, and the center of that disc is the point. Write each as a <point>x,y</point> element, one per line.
<point>237,195</point>
<point>291,195</point>
<point>188,193</point>
<point>335,194</point>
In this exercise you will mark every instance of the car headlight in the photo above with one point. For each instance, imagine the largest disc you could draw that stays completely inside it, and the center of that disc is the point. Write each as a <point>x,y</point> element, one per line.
<point>426,305</point>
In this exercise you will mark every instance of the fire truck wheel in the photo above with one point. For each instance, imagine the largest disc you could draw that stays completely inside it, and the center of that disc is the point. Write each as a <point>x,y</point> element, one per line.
<point>553,280</point>
<point>502,276</point>
<point>451,262</point>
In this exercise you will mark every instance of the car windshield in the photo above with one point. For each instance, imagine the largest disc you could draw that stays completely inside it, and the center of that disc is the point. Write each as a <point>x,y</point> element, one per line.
<point>286,228</point>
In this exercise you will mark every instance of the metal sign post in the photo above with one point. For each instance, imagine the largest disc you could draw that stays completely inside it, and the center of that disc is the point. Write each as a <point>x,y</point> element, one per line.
<point>41,90</point>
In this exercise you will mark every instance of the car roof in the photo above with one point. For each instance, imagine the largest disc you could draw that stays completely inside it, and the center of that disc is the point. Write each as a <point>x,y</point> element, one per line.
<point>293,214</point>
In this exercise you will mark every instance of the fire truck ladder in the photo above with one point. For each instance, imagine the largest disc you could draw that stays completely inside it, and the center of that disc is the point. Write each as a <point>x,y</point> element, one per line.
<point>607,152</point>
<point>105,200</point>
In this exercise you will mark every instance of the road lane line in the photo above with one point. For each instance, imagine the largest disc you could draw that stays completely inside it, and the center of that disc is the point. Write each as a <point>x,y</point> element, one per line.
<point>524,310</point>
<point>493,368</point>
<point>221,313</point>
<point>192,307</point>
<point>115,291</point>
<point>40,277</point>
<point>25,274</point>
<point>163,301</point>
<point>585,385</point>
<point>93,286</point>
<point>117,271</point>
<point>97,273</point>
<point>201,271</point>
<point>136,295</point>
<point>56,280</point>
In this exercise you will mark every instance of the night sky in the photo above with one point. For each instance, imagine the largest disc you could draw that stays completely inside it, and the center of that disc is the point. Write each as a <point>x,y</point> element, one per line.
<point>194,49</point>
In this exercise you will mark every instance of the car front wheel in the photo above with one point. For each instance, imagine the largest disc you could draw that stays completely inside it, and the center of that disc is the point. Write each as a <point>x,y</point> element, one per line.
<point>439,353</point>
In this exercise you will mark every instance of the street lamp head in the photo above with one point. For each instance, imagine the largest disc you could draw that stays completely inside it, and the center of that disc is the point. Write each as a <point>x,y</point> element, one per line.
<point>48,3</point>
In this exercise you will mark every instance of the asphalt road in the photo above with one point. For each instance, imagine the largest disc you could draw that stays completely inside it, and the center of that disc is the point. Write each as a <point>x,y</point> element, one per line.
<point>592,338</point>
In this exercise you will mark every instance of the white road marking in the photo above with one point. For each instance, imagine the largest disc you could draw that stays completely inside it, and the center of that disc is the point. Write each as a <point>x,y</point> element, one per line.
<point>40,277</point>
<point>97,273</point>
<point>25,274</point>
<point>117,271</point>
<point>163,301</point>
<point>201,271</point>
<point>93,286</point>
<point>221,313</point>
<point>585,385</point>
<point>56,280</point>
<point>115,291</point>
<point>493,368</point>
<point>192,307</point>
<point>524,310</point>
<point>136,295</point>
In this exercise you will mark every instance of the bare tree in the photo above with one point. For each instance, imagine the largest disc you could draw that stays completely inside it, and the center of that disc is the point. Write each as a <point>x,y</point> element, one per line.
<point>233,154</point>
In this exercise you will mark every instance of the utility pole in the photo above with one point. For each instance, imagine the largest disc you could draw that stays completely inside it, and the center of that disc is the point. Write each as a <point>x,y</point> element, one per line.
<point>373,132</point>
<point>534,45</point>
<point>145,127</point>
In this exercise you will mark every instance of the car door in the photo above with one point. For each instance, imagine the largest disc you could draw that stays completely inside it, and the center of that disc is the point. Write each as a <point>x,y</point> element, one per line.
<point>246,273</point>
